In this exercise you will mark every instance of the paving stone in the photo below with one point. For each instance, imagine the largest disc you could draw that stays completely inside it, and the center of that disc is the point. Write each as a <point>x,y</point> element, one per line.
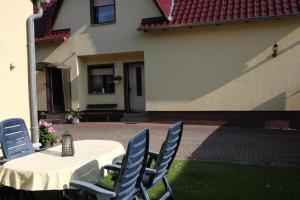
<point>240,145</point>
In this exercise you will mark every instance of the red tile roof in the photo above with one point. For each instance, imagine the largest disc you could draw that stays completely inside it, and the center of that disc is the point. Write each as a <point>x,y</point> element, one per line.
<point>165,7</point>
<point>54,35</point>
<point>44,26</point>
<point>202,12</point>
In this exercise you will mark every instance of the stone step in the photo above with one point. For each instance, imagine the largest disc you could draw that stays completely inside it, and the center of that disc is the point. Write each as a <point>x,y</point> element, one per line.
<point>57,121</point>
<point>135,114</point>
<point>134,120</point>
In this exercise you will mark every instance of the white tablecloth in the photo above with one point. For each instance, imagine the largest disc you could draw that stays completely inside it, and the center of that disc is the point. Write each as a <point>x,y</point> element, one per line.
<point>47,170</point>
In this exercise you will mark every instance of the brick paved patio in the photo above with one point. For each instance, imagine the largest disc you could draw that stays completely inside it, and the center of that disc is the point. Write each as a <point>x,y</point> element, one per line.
<point>206,143</point>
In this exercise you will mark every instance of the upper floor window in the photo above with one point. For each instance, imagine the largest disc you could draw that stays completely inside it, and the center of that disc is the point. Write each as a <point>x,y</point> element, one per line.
<point>103,11</point>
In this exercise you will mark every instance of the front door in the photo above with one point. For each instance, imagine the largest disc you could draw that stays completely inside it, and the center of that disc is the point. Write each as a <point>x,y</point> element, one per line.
<point>55,94</point>
<point>136,86</point>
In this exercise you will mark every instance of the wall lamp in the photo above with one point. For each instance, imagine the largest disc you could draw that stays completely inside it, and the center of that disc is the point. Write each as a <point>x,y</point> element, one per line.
<point>12,67</point>
<point>275,50</point>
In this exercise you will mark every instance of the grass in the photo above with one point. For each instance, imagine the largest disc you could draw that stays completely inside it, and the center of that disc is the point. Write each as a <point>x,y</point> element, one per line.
<point>214,181</point>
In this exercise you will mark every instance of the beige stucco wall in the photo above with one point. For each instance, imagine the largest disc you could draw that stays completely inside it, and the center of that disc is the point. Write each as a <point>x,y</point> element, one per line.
<point>14,101</point>
<point>110,38</point>
<point>86,41</point>
<point>227,67</point>
<point>118,60</point>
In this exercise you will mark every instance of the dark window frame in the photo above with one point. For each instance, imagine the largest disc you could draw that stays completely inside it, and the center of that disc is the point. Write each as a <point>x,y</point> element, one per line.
<point>94,13</point>
<point>89,74</point>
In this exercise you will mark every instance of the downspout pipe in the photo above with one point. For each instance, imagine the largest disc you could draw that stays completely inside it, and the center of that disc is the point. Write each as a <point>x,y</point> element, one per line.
<point>32,76</point>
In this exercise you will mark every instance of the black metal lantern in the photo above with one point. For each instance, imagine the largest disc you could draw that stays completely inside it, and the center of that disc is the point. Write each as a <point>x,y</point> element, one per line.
<point>67,145</point>
<point>275,50</point>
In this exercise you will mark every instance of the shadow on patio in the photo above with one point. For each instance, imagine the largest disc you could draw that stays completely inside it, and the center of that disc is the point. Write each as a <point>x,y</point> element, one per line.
<point>254,146</point>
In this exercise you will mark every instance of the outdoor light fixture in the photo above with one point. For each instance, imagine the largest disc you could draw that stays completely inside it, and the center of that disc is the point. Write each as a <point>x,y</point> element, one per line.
<point>67,145</point>
<point>12,67</point>
<point>275,50</point>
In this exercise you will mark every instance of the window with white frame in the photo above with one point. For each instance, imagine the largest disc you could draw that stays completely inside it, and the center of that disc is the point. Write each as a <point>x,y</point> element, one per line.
<point>100,79</point>
<point>103,11</point>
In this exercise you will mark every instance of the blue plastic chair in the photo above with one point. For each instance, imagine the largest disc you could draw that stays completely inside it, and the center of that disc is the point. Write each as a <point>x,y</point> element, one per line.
<point>163,161</point>
<point>15,140</point>
<point>130,173</point>
<point>15,143</point>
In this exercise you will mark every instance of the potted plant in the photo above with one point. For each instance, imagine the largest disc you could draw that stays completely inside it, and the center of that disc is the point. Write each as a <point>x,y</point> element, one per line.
<point>46,134</point>
<point>75,115</point>
<point>116,79</point>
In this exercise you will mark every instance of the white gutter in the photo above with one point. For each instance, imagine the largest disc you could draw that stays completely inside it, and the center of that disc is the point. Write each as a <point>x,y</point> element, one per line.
<point>32,76</point>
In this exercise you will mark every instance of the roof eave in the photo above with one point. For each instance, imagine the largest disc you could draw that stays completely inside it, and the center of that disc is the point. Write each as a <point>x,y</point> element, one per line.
<point>37,41</point>
<point>190,25</point>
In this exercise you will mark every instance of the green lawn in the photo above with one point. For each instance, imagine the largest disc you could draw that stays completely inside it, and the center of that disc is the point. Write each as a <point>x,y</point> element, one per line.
<point>213,181</point>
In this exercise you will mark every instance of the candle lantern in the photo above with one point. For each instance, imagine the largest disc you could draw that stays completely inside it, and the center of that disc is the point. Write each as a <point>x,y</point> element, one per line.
<point>67,145</point>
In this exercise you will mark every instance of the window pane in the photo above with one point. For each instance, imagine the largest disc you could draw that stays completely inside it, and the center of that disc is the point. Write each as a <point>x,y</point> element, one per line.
<point>109,84</point>
<point>106,14</point>
<point>97,84</point>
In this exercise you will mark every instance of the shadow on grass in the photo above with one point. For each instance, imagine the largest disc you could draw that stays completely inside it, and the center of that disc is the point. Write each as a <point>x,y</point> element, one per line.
<point>216,176</point>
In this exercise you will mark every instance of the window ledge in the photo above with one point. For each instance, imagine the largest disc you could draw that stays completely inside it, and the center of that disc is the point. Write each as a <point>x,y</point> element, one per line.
<point>99,94</point>
<point>103,24</point>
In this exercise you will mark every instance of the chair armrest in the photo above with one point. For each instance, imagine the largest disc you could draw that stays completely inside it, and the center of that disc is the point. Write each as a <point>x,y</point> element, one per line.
<point>119,162</point>
<point>149,171</point>
<point>3,161</point>
<point>92,189</point>
<point>115,171</point>
<point>153,154</point>
<point>113,167</point>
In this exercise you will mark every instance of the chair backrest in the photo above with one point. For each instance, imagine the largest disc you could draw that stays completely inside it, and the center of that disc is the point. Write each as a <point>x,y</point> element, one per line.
<point>167,152</point>
<point>15,140</point>
<point>133,166</point>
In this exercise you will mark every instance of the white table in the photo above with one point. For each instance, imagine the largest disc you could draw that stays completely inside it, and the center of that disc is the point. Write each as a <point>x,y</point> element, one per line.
<point>48,170</point>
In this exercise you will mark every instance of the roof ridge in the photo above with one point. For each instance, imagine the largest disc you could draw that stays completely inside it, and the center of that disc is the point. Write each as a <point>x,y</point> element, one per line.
<point>165,7</point>
<point>170,18</point>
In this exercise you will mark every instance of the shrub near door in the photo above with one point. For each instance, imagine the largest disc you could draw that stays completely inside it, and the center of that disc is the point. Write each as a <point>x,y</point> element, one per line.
<point>74,115</point>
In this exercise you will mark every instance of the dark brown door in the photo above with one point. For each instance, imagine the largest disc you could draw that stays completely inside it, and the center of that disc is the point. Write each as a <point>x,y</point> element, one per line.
<point>55,94</point>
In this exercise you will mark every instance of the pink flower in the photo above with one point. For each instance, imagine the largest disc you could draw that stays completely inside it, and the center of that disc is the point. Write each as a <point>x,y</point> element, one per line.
<point>51,130</point>
<point>41,122</point>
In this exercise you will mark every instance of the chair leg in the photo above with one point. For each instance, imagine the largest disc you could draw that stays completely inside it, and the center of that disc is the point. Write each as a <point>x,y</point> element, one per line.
<point>144,193</point>
<point>84,196</point>
<point>168,187</point>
